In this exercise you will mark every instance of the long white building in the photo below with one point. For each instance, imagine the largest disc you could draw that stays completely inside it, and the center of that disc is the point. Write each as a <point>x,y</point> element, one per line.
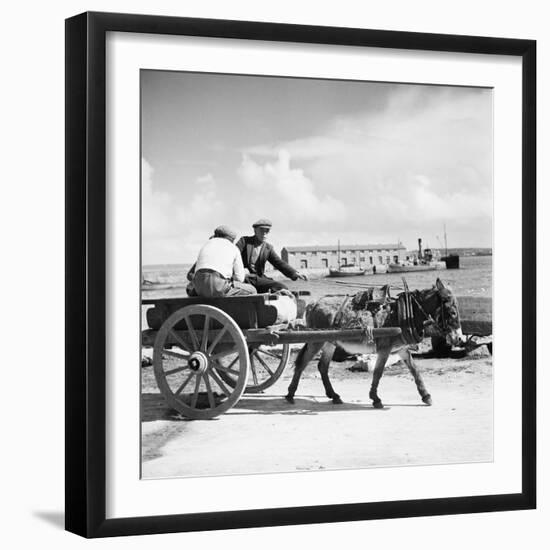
<point>361,255</point>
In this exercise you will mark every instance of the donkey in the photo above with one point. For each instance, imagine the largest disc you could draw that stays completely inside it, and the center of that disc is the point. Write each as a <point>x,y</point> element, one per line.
<point>431,312</point>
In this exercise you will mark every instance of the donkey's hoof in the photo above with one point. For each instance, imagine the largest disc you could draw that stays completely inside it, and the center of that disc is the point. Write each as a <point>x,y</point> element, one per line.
<point>427,399</point>
<point>378,404</point>
<point>290,399</point>
<point>337,400</point>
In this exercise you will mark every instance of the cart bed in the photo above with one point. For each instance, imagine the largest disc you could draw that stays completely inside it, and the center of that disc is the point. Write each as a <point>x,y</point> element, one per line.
<point>255,311</point>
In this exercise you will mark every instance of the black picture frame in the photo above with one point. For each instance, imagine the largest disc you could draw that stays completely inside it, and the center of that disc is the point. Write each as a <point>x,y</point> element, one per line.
<point>86,273</point>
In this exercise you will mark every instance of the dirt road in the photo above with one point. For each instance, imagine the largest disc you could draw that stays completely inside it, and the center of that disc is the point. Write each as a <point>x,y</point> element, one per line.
<point>263,433</point>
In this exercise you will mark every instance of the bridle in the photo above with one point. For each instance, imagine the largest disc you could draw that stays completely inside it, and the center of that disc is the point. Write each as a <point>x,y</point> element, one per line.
<point>442,319</point>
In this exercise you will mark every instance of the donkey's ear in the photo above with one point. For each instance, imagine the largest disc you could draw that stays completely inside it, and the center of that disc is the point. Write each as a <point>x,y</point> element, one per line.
<point>439,285</point>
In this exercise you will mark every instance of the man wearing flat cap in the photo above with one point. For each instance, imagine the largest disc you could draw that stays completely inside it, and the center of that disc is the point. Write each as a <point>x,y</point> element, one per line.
<point>219,269</point>
<point>256,251</point>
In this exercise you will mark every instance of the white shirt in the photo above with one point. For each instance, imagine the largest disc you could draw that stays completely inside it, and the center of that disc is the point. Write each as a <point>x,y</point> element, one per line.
<point>222,256</point>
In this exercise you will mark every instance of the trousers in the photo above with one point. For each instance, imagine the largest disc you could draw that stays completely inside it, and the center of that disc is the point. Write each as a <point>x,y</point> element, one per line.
<point>264,284</point>
<point>211,284</point>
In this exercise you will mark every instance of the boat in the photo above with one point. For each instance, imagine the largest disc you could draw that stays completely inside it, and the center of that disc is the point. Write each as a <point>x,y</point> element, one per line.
<point>410,266</point>
<point>424,261</point>
<point>452,261</point>
<point>345,270</point>
<point>379,268</point>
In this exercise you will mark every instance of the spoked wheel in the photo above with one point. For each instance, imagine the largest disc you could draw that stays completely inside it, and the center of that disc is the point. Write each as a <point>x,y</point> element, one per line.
<point>187,361</point>
<point>266,366</point>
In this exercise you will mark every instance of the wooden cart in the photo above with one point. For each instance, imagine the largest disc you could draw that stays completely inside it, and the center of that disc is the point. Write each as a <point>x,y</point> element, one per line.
<point>208,351</point>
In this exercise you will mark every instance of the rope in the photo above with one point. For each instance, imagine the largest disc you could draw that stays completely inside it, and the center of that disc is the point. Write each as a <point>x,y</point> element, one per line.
<point>340,312</point>
<point>367,330</point>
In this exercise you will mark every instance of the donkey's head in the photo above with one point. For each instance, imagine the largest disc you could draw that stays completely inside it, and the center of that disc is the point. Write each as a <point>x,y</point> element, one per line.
<point>443,308</point>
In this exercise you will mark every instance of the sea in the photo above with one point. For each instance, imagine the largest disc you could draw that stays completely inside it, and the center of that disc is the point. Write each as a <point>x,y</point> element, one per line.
<point>474,278</point>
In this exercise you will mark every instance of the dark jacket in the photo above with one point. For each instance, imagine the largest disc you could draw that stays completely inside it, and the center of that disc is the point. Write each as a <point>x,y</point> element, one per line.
<point>267,254</point>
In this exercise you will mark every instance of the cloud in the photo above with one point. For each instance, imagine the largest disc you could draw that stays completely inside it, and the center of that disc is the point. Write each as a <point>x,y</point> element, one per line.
<point>421,199</point>
<point>303,148</point>
<point>155,204</point>
<point>173,230</point>
<point>401,170</point>
<point>291,189</point>
<point>424,159</point>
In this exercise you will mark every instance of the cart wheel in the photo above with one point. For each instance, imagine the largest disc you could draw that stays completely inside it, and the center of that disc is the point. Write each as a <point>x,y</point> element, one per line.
<point>187,362</point>
<point>266,366</point>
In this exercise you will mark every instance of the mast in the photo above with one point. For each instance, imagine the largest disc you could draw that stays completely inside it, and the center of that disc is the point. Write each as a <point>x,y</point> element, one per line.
<point>445,235</point>
<point>338,253</point>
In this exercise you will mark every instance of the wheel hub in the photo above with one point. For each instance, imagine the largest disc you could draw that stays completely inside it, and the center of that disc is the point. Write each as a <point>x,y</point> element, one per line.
<point>198,361</point>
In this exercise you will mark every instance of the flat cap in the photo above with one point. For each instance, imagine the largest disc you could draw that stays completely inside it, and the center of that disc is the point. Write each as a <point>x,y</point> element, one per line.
<point>225,232</point>
<point>262,222</point>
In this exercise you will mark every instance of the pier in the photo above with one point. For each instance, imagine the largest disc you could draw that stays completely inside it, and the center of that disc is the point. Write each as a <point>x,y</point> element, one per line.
<point>476,315</point>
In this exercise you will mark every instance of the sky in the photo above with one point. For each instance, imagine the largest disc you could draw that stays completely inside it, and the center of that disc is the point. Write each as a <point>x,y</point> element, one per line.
<point>325,160</point>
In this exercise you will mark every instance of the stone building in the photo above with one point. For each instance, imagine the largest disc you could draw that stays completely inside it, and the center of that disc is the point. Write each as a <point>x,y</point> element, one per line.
<point>361,255</point>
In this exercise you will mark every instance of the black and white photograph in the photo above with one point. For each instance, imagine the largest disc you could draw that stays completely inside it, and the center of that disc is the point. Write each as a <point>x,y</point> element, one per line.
<point>316,274</point>
<point>275,275</point>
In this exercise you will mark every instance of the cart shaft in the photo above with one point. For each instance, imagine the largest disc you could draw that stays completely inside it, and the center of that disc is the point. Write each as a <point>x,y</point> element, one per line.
<point>274,336</point>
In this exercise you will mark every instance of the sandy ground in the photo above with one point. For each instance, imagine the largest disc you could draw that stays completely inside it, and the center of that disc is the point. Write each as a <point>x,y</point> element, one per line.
<point>263,433</point>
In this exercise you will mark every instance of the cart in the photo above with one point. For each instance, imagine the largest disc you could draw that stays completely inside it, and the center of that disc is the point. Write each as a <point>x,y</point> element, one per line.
<point>207,352</point>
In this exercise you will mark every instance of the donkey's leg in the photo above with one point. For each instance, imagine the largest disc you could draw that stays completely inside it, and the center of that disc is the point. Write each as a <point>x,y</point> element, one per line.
<point>383,354</point>
<point>323,366</point>
<point>405,354</point>
<point>305,355</point>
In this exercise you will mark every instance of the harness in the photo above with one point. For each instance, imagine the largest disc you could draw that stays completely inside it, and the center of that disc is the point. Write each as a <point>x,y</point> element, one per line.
<point>405,316</point>
<point>405,313</point>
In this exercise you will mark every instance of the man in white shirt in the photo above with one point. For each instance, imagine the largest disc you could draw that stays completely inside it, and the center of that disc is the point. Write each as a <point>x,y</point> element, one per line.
<point>219,269</point>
